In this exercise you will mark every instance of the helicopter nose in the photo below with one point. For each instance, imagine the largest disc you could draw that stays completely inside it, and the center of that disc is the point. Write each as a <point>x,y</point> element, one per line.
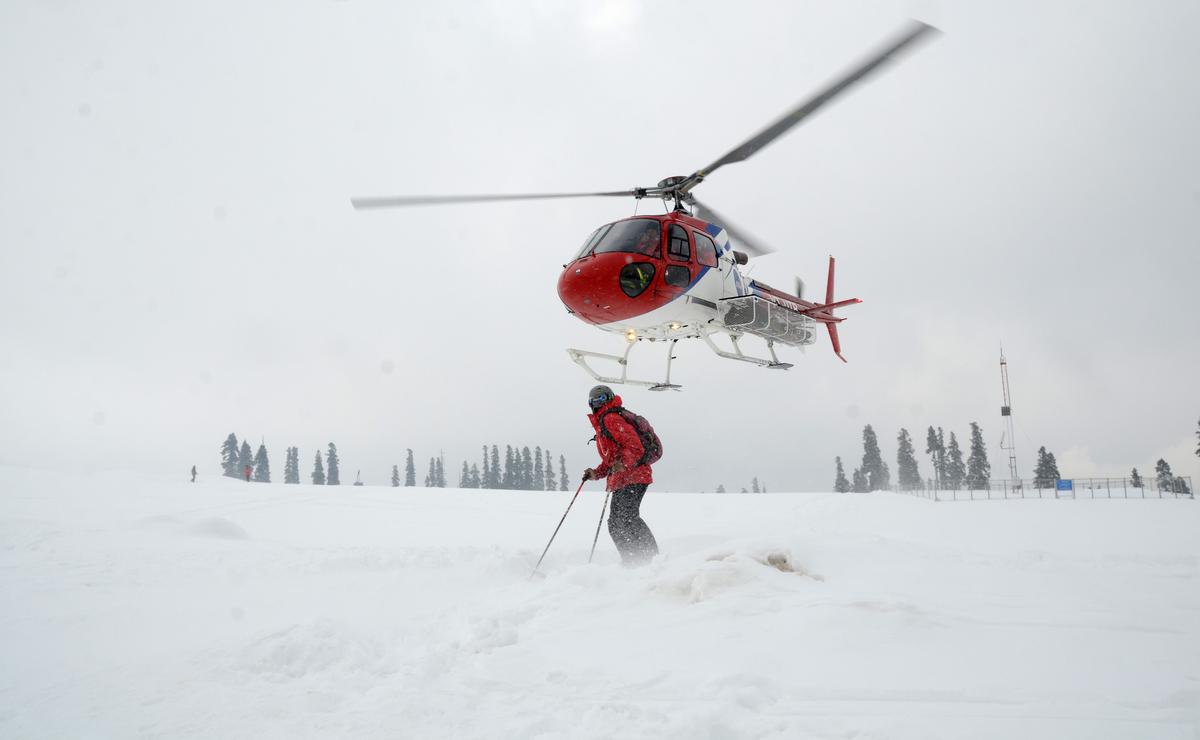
<point>590,288</point>
<point>578,289</point>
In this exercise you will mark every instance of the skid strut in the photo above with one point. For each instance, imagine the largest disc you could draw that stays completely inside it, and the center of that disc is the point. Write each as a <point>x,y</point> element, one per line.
<point>737,354</point>
<point>580,357</point>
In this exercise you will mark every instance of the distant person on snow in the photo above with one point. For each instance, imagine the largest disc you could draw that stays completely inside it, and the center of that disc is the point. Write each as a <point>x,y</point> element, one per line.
<point>193,474</point>
<point>246,472</point>
<point>626,453</point>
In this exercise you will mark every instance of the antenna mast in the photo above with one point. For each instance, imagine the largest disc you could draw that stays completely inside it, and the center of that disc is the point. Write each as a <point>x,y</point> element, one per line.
<point>1006,412</point>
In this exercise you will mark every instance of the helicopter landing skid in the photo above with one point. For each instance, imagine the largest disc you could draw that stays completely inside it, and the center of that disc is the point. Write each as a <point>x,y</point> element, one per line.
<point>737,354</point>
<point>579,357</point>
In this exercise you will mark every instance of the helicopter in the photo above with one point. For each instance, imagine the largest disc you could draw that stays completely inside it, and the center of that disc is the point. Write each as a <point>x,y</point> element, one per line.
<point>663,278</point>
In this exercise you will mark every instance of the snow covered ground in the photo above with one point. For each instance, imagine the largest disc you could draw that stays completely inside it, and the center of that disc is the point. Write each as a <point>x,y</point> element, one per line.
<point>136,607</point>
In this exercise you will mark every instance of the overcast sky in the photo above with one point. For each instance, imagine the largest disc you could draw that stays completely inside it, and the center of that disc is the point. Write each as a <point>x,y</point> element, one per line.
<point>179,259</point>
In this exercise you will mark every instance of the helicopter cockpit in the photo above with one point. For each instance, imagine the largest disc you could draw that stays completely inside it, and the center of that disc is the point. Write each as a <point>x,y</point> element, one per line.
<point>636,235</point>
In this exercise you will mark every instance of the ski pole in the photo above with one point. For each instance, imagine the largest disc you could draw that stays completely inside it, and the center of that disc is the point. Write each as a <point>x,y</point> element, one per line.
<point>560,523</point>
<point>597,537</point>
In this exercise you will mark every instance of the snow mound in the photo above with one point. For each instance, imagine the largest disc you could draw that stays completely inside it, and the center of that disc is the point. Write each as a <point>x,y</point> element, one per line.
<point>709,576</point>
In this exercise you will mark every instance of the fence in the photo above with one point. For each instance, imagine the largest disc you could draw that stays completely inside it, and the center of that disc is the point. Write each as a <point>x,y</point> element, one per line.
<point>1179,486</point>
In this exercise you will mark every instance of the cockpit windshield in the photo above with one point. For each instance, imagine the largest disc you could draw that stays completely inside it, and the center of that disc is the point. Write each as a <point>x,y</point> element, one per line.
<point>591,241</point>
<point>638,235</point>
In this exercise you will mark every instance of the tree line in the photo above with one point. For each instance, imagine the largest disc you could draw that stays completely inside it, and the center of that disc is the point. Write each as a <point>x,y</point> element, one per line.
<point>950,471</point>
<point>520,470</point>
<point>755,487</point>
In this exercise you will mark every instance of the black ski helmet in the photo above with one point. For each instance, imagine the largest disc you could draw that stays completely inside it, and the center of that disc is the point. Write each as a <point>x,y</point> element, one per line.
<point>599,395</point>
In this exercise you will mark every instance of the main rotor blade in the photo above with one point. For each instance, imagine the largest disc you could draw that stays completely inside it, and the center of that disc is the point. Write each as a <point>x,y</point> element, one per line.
<point>915,31</point>
<point>749,245</point>
<point>430,200</point>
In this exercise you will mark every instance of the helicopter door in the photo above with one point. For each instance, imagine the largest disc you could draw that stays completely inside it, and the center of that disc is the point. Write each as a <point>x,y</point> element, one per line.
<point>678,273</point>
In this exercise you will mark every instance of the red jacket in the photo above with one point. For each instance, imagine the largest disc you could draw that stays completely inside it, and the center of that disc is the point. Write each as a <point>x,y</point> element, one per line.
<point>625,446</point>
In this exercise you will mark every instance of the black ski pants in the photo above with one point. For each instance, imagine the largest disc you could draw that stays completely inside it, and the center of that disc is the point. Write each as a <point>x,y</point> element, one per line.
<point>629,531</point>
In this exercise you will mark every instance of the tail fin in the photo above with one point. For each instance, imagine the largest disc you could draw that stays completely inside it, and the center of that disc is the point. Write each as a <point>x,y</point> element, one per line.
<point>832,327</point>
<point>829,283</point>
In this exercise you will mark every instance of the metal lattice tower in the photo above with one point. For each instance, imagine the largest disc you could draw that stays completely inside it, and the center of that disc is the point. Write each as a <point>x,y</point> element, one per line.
<point>1006,412</point>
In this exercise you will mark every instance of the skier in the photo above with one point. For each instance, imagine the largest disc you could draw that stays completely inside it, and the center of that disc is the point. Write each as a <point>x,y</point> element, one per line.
<point>246,472</point>
<point>625,463</point>
<point>193,474</point>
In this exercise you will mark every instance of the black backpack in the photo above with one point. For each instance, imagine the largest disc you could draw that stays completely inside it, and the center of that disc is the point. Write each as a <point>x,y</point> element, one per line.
<point>651,445</point>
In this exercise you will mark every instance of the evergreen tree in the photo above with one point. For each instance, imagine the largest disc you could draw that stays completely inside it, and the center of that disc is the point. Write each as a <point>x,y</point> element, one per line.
<point>551,484</point>
<point>485,479</point>
<point>292,475</point>
<point>907,472</point>
<point>873,466</point>
<point>440,472</point>
<point>1198,439</point>
<point>526,469</point>
<point>721,488</point>
<point>744,490</point>
<point>495,467</point>
<point>936,449</point>
<point>563,485</point>
<point>464,478</point>
<point>262,466</point>
<point>538,481</point>
<point>861,483</point>
<point>1052,465</point>
<point>1135,480</point>
<point>333,474</point>
<point>1040,479</point>
<point>318,473</point>
<point>1045,473</point>
<point>506,479</point>
<point>942,453</point>
<point>1163,476</point>
<point>431,476</point>
<point>840,484</point>
<point>229,457</point>
<point>395,476</point>
<point>754,484</point>
<point>979,471</point>
<point>410,470</point>
<point>476,480</point>
<point>245,459</point>
<point>955,471</point>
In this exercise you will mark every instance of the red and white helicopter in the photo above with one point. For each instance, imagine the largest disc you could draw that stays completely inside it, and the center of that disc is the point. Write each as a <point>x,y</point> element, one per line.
<point>675,276</point>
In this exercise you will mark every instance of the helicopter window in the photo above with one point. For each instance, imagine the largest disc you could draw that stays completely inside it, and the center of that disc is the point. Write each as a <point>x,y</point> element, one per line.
<point>591,240</point>
<point>677,275</point>
<point>706,250</point>
<point>640,235</point>
<point>677,243</point>
<point>636,277</point>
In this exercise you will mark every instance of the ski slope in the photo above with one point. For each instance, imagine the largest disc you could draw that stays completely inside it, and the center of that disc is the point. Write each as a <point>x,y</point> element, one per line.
<point>138,607</point>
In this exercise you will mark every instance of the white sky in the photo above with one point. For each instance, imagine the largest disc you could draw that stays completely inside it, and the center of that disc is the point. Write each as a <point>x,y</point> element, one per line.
<point>178,257</point>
